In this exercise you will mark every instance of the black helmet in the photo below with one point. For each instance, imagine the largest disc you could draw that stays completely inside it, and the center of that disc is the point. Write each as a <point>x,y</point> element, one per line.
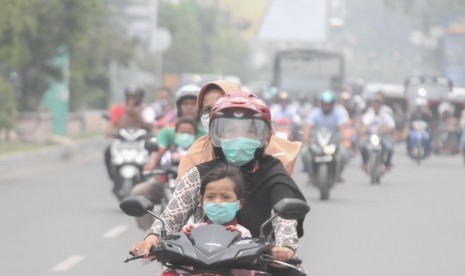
<point>135,91</point>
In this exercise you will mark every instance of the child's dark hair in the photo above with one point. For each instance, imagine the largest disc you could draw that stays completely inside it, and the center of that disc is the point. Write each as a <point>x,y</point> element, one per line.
<point>184,120</point>
<point>224,171</point>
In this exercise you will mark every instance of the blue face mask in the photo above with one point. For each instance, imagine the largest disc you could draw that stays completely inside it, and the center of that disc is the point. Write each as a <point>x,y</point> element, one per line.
<point>240,150</point>
<point>220,213</point>
<point>184,140</point>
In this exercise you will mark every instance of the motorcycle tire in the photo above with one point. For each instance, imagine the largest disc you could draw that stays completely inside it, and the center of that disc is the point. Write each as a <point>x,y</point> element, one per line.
<point>373,168</point>
<point>324,184</point>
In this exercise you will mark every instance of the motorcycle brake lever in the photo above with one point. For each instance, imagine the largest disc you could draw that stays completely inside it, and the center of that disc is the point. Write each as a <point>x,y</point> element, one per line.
<point>133,258</point>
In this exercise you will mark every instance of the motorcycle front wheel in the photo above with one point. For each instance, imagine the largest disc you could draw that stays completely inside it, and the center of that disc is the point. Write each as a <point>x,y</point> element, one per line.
<point>323,182</point>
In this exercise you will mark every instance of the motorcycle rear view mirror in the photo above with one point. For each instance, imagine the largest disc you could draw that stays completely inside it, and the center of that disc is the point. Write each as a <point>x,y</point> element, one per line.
<point>287,208</point>
<point>291,208</point>
<point>151,145</point>
<point>136,206</point>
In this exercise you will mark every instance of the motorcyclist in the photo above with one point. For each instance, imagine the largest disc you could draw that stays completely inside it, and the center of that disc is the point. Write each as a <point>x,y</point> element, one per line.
<point>186,104</point>
<point>380,121</point>
<point>153,189</point>
<point>132,114</point>
<point>345,99</point>
<point>239,131</point>
<point>282,109</point>
<point>186,100</point>
<point>333,117</point>
<point>422,113</point>
<point>202,150</point>
<point>165,111</point>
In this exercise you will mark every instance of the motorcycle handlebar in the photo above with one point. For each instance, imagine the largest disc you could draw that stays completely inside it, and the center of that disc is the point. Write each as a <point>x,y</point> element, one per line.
<point>161,171</point>
<point>154,251</point>
<point>292,261</point>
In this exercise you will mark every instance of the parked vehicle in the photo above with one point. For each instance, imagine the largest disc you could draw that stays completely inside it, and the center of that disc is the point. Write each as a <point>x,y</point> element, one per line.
<point>324,166</point>
<point>212,249</point>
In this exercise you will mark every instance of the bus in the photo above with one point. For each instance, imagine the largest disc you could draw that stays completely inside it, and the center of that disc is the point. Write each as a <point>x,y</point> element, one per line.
<point>307,72</point>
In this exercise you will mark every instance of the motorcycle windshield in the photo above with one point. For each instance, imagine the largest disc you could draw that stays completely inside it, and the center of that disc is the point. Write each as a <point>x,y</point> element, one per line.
<point>326,136</point>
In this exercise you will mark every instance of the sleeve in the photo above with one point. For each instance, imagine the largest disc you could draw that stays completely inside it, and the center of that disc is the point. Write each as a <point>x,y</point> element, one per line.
<point>311,119</point>
<point>165,137</point>
<point>285,231</point>
<point>245,233</point>
<point>389,121</point>
<point>342,116</point>
<point>366,119</point>
<point>115,113</point>
<point>182,205</point>
<point>195,225</point>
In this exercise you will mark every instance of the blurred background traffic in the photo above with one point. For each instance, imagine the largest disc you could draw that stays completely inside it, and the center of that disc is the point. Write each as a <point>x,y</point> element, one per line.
<point>62,59</point>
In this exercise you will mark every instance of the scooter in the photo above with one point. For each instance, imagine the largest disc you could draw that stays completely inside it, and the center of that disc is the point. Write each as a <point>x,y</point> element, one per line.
<point>128,157</point>
<point>375,158</point>
<point>165,174</point>
<point>212,249</point>
<point>324,164</point>
<point>418,140</point>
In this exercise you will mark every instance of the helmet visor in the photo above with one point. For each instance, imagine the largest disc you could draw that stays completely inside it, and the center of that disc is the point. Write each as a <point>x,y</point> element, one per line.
<point>229,128</point>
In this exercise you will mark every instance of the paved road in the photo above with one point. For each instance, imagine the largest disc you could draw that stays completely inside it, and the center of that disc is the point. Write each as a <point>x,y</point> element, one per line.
<point>412,224</point>
<point>63,220</point>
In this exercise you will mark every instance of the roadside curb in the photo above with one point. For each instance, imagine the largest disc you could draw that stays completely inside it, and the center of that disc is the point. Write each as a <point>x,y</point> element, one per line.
<point>57,154</point>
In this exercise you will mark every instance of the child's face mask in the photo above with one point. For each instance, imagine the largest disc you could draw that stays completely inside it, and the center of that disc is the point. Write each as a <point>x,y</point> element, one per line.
<point>184,140</point>
<point>220,213</point>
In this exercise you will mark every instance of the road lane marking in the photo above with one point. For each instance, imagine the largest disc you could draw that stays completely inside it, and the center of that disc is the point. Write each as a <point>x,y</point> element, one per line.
<point>68,263</point>
<point>114,232</point>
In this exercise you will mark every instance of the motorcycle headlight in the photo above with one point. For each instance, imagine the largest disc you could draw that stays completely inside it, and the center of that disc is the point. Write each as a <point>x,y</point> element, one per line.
<point>329,149</point>
<point>128,172</point>
<point>374,140</point>
<point>140,159</point>
<point>118,159</point>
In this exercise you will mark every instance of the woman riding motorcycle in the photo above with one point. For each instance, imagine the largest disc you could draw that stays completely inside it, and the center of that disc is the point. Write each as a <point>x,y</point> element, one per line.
<point>202,151</point>
<point>239,131</point>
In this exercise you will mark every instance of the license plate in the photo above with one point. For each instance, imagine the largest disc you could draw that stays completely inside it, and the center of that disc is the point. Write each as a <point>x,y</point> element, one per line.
<point>323,159</point>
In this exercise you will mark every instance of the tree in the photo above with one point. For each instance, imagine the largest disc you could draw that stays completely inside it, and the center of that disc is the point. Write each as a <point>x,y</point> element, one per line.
<point>424,14</point>
<point>31,31</point>
<point>203,42</point>
<point>7,106</point>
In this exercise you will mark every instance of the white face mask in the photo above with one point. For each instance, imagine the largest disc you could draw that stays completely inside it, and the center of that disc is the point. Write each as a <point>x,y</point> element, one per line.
<point>205,121</point>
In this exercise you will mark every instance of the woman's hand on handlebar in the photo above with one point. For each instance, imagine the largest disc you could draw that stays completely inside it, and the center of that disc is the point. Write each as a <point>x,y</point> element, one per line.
<point>143,247</point>
<point>282,254</point>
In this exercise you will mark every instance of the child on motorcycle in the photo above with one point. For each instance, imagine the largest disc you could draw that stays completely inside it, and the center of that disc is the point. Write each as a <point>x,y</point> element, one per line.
<point>185,133</point>
<point>222,195</point>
